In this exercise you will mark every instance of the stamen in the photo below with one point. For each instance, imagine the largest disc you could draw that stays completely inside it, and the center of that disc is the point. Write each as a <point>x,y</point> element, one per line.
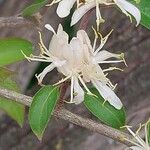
<point>146,134</point>
<point>113,61</point>
<point>138,130</point>
<point>53,2</point>
<point>68,102</point>
<point>98,15</point>
<point>111,85</point>
<point>103,41</point>
<point>104,102</point>
<point>84,85</point>
<point>62,80</point>
<point>122,57</point>
<point>41,48</point>
<point>28,58</point>
<point>112,68</point>
<point>72,85</point>
<point>95,40</point>
<point>134,143</point>
<point>41,42</point>
<point>39,80</point>
<point>137,138</point>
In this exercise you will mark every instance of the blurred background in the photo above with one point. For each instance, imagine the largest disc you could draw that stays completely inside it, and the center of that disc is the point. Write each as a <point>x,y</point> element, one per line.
<point>133,84</point>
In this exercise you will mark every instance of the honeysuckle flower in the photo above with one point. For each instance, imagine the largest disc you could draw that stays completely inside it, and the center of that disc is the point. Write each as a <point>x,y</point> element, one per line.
<point>66,57</point>
<point>92,72</point>
<point>84,6</point>
<point>126,7</point>
<point>79,62</point>
<point>138,142</point>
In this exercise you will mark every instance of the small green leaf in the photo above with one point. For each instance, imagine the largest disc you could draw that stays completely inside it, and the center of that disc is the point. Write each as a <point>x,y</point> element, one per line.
<point>148,131</point>
<point>104,111</point>
<point>30,10</point>
<point>42,107</point>
<point>12,108</point>
<point>144,7</point>
<point>10,50</point>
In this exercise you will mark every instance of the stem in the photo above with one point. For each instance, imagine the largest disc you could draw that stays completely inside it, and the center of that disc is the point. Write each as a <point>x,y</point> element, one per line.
<point>73,118</point>
<point>15,21</point>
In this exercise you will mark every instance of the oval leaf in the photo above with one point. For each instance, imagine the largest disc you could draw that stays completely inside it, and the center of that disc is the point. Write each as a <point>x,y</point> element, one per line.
<point>144,7</point>
<point>104,111</point>
<point>30,10</point>
<point>12,108</point>
<point>42,108</point>
<point>10,50</point>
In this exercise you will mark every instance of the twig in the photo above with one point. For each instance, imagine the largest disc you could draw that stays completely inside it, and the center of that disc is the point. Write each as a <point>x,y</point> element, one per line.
<point>73,118</point>
<point>15,21</point>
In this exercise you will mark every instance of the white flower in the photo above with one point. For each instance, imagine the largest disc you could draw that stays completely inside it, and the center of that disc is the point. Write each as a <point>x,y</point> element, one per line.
<point>84,6</point>
<point>94,73</point>
<point>78,61</point>
<point>126,7</point>
<point>66,57</point>
<point>138,142</point>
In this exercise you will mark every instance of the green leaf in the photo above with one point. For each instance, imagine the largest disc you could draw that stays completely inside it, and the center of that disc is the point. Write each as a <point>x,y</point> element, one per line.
<point>104,111</point>
<point>42,107</point>
<point>12,108</point>
<point>144,7</point>
<point>10,50</point>
<point>30,10</point>
<point>148,130</point>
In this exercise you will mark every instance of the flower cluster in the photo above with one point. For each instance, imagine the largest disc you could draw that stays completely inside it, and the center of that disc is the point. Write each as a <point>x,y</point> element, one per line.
<point>83,6</point>
<point>79,61</point>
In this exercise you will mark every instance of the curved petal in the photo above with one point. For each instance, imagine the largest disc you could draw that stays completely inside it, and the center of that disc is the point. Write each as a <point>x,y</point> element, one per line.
<point>64,7</point>
<point>50,28</point>
<point>63,36</point>
<point>82,35</point>
<point>78,92</point>
<point>108,94</point>
<point>78,53</point>
<point>77,15</point>
<point>104,55</point>
<point>125,7</point>
<point>44,72</point>
<point>58,41</point>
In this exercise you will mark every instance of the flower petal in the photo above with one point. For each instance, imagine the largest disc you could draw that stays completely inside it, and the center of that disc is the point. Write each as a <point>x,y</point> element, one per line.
<point>77,15</point>
<point>107,94</point>
<point>64,7</point>
<point>82,35</point>
<point>50,28</point>
<point>78,53</point>
<point>103,55</point>
<point>78,91</point>
<point>63,36</point>
<point>125,7</point>
<point>44,72</point>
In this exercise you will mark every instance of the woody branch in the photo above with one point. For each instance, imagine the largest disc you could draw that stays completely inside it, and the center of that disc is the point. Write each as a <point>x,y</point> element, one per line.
<point>73,118</point>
